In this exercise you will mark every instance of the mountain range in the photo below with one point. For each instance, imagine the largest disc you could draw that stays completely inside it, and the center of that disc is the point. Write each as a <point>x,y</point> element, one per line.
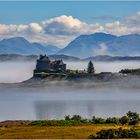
<point>103,44</point>
<point>83,46</point>
<point>101,58</point>
<point>20,45</point>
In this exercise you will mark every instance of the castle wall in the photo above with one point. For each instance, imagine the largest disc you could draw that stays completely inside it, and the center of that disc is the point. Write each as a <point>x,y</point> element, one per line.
<point>58,67</point>
<point>43,66</point>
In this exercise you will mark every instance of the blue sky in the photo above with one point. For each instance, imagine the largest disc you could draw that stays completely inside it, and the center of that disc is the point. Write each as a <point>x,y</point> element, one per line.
<point>26,12</point>
<point>59,22</point>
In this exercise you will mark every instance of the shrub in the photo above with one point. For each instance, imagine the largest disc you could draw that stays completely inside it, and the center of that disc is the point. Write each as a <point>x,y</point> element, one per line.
<point>115,134</point>
<point>124,120</point>
<point>99,120</point>
<point>67,117</point>
<point>133,116</point>
<point>93,119</point>
<point>76,118</point>
<point>112,120</point>
<point>85,121</point>
<point>56,123</point>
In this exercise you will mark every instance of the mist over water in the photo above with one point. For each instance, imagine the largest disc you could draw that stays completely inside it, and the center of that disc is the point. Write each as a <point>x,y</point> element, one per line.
<point>17,103</point>
<point>11,72</point>
<point>57,99</point>
<point>105,66</point>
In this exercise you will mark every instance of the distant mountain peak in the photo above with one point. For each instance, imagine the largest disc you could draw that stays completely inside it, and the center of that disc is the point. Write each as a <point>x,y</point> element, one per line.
<point>19,45</point>
<point>15,39</point>
<point>92,44</point>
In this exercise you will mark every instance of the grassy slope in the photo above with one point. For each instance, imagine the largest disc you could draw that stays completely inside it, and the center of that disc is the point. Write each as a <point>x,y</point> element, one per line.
<point>52,132</point>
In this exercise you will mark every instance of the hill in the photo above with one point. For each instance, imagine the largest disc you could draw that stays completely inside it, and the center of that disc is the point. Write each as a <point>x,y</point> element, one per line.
<point>20,45</point>
<point>86,45</point>
<point>107,58</point>
<point>103,58</point>
<point>103,44</point>
<point>18,57</point>
<point>125,45</point>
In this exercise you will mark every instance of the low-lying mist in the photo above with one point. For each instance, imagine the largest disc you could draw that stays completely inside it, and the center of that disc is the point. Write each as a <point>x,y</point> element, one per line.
<point>11,72</point>
<point>105,66</point>
<point>22,103</point>
<point>53,100</point>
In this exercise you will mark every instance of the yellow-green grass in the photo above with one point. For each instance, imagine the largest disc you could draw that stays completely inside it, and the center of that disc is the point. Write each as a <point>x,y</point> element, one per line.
<point>51,73</point>
<point>52,132</point>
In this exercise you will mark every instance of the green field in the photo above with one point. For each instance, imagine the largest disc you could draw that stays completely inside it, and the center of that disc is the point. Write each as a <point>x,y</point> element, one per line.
<point>73,127</point>
<point>53,132</point>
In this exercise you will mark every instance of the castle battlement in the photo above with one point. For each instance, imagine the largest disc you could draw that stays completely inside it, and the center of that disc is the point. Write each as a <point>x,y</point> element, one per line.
<point>44,64</point>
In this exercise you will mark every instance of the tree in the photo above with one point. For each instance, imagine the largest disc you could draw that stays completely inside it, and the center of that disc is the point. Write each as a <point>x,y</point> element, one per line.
<point>133,116</point>
<point>99,121</point>
<point>76,71</point>
<point>90,68</point>
<point>112,120</point>
<point>76,118</point>
<point>115,134</point>
<point>93,119</point>
<point>124,120</point>
<point>67,117</point>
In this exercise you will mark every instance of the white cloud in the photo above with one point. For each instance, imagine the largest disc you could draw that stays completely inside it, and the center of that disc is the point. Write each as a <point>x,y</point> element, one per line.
<point>63,25</point>
<point>116,28</point>
<point>66,20</point>
<point>22,28</point>
<point>68,25</point>
<point>58,31</point>
<point>36,27</point>
<point>133,20</point>
<point>4,29</point>
<point>102,50</point>
<point>130,25</point>
<point>61,30</point>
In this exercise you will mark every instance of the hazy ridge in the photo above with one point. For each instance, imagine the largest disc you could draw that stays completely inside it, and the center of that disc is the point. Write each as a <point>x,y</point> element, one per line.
<point>104,58</point>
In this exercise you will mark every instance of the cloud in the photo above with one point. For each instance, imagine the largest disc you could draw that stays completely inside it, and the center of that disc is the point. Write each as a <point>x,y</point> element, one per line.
<point>106,17</point>
<point>102,50</point>
<point>36,27</point>
<point>57,31</point>
<point>68,25</point>
<point>117,28</point>
<point>64,25</point>
<point>61,30</point>
<point>133,20</point>
<point>4,29</point>
<point>22,28</point>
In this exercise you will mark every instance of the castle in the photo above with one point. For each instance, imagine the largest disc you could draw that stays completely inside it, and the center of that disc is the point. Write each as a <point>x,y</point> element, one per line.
<point>44,64</point>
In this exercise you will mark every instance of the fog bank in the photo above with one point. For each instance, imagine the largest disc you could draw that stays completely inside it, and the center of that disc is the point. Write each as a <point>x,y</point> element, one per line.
<point>11,72</point>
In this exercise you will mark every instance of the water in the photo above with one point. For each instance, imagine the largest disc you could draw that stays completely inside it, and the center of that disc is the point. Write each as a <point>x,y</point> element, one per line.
<point>85,108</point>
<point>57,100</point>
<point>35,104</point>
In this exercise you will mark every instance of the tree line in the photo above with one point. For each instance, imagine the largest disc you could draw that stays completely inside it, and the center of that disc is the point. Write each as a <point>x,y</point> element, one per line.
<point>130,118</point>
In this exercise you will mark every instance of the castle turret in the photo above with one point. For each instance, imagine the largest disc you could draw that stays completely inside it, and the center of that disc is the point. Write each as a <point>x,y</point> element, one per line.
<point>43,63</point>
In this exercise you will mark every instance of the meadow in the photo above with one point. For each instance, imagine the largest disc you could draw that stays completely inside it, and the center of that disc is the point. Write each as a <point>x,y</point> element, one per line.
<point>53,132</point>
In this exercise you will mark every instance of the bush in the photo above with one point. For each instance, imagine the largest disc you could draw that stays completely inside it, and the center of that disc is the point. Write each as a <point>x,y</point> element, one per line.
<point>99,120</point>
<point>124,120</point>
<point>85,121</point>
<point>115,134</point>
<point>76,118</point>
<point>93,119</point>
<point>112,120</point>
<point>56,123</point>
<point>67,117</point>
<point>134,117</point>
